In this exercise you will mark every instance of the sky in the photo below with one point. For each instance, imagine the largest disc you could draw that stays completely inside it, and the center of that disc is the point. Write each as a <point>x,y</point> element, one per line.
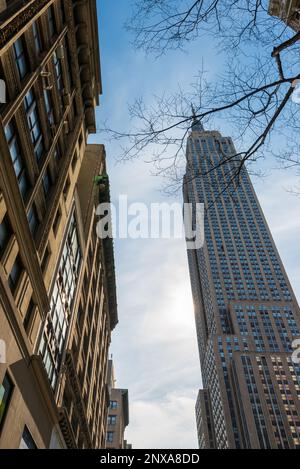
<point>154,346</point>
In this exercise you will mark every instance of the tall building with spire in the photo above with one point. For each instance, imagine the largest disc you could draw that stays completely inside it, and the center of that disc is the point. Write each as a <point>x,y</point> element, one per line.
<point>247,315</point>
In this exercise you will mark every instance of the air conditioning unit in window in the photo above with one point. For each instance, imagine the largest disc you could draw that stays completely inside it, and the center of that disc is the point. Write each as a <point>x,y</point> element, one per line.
<point>60,52</point>
<point>47,80</point>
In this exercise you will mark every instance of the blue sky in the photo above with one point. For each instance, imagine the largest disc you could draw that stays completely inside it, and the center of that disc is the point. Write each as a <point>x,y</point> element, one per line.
<point>154,345</point>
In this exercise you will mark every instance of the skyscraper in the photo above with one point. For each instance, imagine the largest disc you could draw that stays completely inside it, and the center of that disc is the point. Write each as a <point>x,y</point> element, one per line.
<point>57,280</point>
<point>246,312</point>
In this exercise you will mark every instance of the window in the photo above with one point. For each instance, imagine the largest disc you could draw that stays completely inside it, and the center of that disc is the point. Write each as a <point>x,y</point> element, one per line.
<point>62,10</point>
<point>80,140</point>
<point>74,161</point>
<point>34,125</point>
<point>17,159</point>
<point>45,260</point>
<point>3,90</point>
<point>69,63</point>
<point>29,315</point>
<point>21,57</point>
<point>48,106</point>
<point>6,390</point>
<point>59,75</point>
<point>57,221</point>
<point>67,188</point>
<point>33,220</point>
<point>27,442</point>
<point>57,154</point>
<point>113,404</point>
<point>110,437</point>
<point>112,420</point>
<point>15,274</point>
<point>5,233</point>
<point>37,37</point>
<point>51,21</point>
<point>47,182</point>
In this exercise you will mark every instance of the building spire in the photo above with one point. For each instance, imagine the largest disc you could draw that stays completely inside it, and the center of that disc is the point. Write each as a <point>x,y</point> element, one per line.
<point>196,125</point>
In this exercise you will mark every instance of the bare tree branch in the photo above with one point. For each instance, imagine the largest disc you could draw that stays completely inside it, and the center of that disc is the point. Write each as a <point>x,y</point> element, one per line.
<point>256,100</point>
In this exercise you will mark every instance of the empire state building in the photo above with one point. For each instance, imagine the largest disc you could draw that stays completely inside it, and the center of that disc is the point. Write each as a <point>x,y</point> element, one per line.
<point>247,315</point>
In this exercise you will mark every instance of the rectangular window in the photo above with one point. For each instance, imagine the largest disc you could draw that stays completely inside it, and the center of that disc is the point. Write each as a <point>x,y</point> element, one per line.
<point>3,89</point>
<point>51,21</point>
<point>57,221</point>
<point>80,140</point>
<point>17,159</point>
<point>45,260</point>
<point>6,390</point>
<point>113,404</point>
<point>69,63</point>
<point>62,10</point>
<point>59,76</point>
<point>112,420</point>
<point>67,188</point>
<point>110,437</point>
<point>33,220</point>
<point>27,442</point>
<point>34,124</point>
<point>74,161</point>
<point>37,37</point>
<point>29,315</point>
<point>47,183</point>
<point>5,233</point>
<point>57,154</point>
<point>15,274</point>
<point>48,106</point>
<point>21,60</point>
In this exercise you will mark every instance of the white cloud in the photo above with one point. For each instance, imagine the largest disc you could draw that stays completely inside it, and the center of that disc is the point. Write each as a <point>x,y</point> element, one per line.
<point>165,423</point>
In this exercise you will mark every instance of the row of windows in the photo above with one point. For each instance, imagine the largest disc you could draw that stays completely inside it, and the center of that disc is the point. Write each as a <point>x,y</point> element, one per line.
<point>21,54</point>
<point>55,332</point>
<point>17,270</point>
<point>33,109</point>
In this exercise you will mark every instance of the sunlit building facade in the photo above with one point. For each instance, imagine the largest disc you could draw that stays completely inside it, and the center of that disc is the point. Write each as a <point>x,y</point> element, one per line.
<point>58,296</point>
<point>118,414</point>
<point>246,313</point>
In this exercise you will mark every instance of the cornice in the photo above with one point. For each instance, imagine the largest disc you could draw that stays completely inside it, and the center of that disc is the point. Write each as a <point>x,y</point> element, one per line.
<point>17,22</point>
